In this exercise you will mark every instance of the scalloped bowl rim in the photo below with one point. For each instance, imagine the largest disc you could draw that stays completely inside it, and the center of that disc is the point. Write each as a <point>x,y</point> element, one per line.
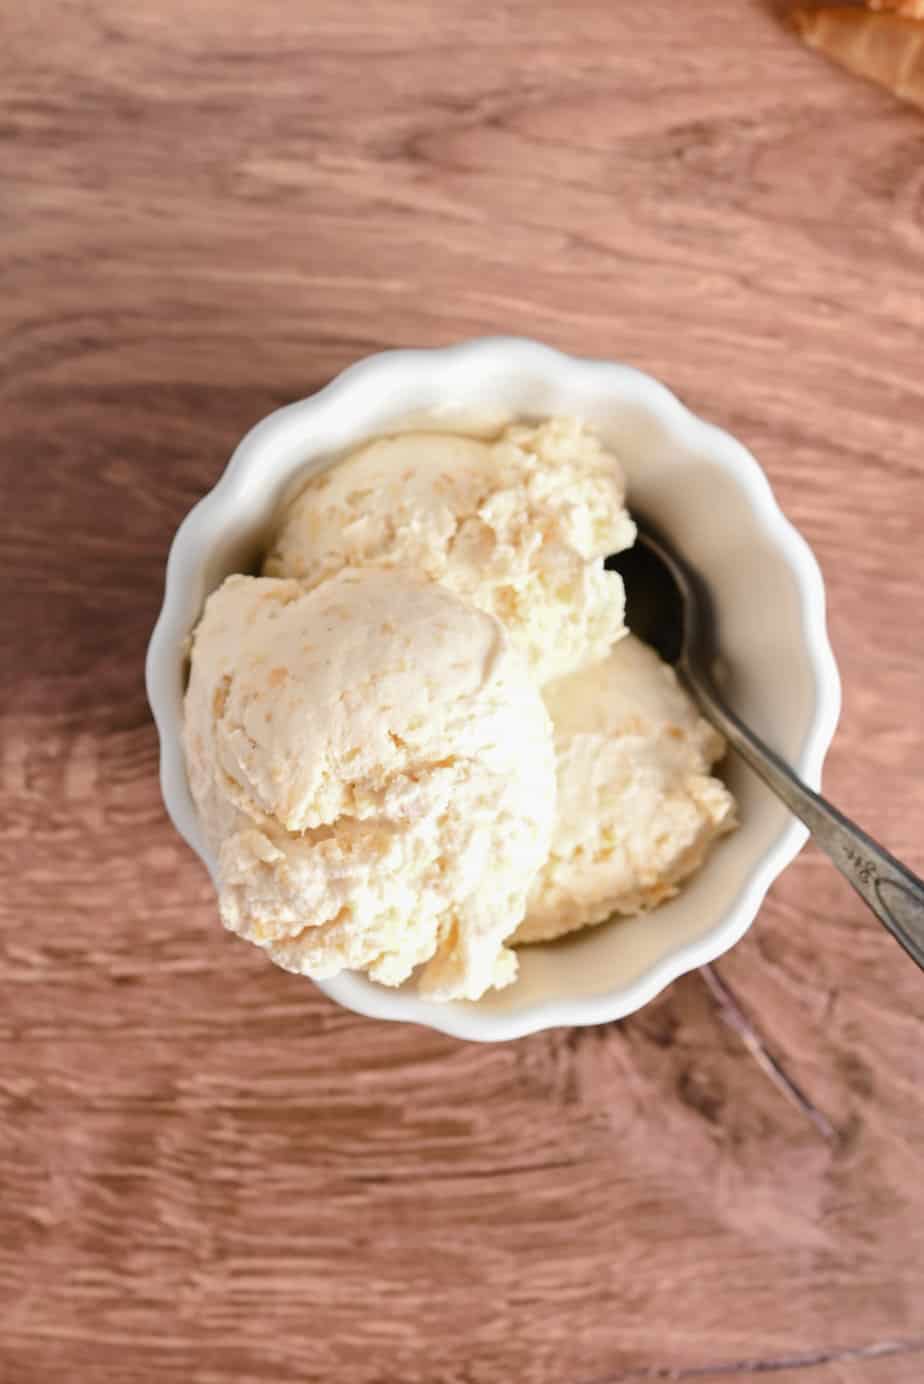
<point>206,518</point>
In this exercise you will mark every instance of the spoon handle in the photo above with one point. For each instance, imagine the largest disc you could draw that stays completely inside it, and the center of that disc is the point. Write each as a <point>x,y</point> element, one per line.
<point>895,895</point>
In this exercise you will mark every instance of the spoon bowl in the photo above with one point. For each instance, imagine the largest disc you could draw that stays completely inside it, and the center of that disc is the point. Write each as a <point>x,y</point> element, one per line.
<point>667,603</point>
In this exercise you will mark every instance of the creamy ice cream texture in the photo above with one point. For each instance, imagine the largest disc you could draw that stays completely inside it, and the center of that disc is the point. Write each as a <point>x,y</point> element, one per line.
<point>374,768</point>
<point>423,735</point>
<point>518,527</point>
<point>637,806</point>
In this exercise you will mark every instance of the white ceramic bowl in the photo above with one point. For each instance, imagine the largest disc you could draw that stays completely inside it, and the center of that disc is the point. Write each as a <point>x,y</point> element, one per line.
<point>704,489</point>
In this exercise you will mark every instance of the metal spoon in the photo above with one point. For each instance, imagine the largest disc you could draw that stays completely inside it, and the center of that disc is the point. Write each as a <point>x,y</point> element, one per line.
<point>668,606</point>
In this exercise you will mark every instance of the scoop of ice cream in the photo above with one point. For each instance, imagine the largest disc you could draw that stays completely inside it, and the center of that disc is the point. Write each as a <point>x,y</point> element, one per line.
<point>374,768</point>
<point>519,527</point>
<point>637,807</point>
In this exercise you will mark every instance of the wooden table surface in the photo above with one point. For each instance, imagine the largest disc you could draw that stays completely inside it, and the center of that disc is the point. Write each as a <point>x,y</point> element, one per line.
<point>210,1173</point>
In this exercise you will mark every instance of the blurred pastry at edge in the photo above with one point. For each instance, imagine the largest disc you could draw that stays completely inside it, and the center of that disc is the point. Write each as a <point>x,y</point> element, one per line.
<point>886,48</point>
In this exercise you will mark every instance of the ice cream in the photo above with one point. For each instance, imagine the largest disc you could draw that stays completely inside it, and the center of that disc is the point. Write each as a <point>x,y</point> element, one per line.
<point>518,527</point>
<point>373,767</point>
<point>424,735</point>
<point>637,806</point>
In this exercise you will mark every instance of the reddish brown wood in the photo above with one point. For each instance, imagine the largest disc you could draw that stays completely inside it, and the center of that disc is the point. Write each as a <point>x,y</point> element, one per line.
<point>209,1173</point>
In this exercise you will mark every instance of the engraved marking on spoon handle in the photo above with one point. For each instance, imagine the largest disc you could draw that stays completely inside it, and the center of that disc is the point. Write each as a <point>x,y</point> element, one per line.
<point>894,894</point>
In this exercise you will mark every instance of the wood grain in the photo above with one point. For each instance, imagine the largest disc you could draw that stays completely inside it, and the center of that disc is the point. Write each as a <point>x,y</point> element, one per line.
<point>209,1173</point>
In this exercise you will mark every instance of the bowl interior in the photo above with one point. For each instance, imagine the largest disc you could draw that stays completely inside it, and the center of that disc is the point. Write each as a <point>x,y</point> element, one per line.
<point>705,491</point>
